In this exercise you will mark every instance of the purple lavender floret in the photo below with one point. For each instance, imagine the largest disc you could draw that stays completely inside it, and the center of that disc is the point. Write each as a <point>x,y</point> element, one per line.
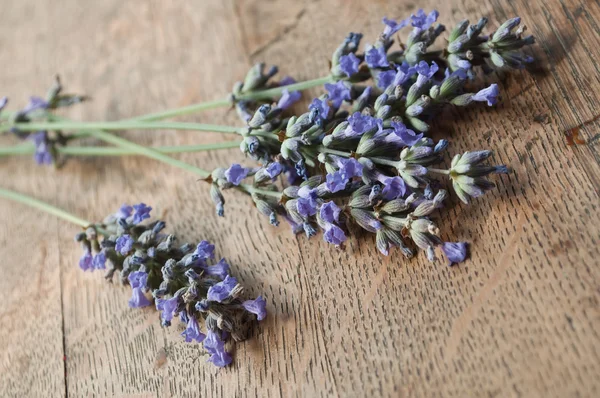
<point>376,57</point>
<point>307,202</point>
<point>334,235</point>
<point>34,104</point>
<point>85,262</point>
<point>216,348</point>
<point>236,173</point>
<point>393,188</point>
<point>140,213</point>
<point>124,244</point>
<point>205,250</point>
<point>385,78</point>
<point>42,153</point>
<point>220,291</point>
<point>456,252</point>
<point>391,27</point>
<point>336,181</point>
<point>489,94</point>
<point>423,21</point>
<point>220,269</point>
<point>286,81</point>
<point>425,72</point>
<point>405,135</point>
<point>338,92</point>
<point>257,307</point>
<point>360,124</point>
<point>320,107</point>
<point>348,168</point>
<point>168,307</point>
<point>138,281</point>
<point>192,331</point>
<point>99,261</point>
<point>288,99</point>
<point>124,212</point>
<point>349,64</point>
<point>273,169</point>
<point>330,212</point>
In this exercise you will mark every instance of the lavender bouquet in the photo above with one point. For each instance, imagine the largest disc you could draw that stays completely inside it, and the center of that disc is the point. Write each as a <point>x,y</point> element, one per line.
<point>358,159</point>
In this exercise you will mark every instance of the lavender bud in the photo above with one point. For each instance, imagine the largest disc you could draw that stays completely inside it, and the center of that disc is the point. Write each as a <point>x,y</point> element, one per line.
<point>395,206</point>
<point>382,242</point>
<point>260,116</point>
<point>218,199</point>
<point>365,220</point>
<point>395,223</point>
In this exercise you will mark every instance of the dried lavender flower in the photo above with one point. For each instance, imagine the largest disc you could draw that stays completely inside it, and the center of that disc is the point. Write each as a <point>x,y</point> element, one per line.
<point>183,280</point>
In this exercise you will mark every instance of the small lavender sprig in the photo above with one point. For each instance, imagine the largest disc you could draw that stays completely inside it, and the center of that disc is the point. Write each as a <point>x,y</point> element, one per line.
<point>183,278</point>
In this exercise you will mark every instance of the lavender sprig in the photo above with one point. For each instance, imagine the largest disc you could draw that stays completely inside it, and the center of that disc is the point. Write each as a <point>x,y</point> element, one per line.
<point>184,280</point>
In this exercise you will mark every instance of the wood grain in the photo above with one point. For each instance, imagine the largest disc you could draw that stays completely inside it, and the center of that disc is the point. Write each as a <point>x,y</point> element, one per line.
<point>520,318</point>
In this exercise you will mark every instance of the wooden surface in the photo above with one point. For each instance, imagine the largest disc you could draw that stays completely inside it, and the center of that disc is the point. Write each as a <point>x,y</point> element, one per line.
<point>520,318</point>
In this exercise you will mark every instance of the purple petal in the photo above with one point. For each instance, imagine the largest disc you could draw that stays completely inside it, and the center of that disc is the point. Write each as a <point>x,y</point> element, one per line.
<point>456,252</point>
<point>192,331</point>
<point>124,244</point>
<point>338,93</point>
<point>236,173</point>
<point>376,57</point>
<point>138,298</point>
<point>334,235</point>
<point>205,250</point>
<point>288,99</point>
<point>85,262</point>
<point>220,269</point>
<point>220,291</point>
<point>489,94</point>
<point>257,307</point>
<point>349,64</point>
<point>330,212</point>
<point>140,213</point>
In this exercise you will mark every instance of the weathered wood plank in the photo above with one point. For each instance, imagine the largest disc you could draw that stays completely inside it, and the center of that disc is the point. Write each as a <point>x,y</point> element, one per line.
<point>520,318</point>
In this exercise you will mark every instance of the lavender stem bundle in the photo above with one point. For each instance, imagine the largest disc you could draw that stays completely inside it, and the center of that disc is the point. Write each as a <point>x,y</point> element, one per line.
<point>183,279</point>
<point>359,157</point>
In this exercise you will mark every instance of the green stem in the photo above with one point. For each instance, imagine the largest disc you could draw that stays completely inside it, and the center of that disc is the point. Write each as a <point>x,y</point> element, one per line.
<point>324,149</point>
<point>186,110</point>
<point>385,162</point>
<point>126,125</point>
<point>26,149</point>
<point>263,94</point>
<point>154,154</point>
<point>148,152</point>
<point>439,171</point>
<point>43,206</point>
<point>276,91</point>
